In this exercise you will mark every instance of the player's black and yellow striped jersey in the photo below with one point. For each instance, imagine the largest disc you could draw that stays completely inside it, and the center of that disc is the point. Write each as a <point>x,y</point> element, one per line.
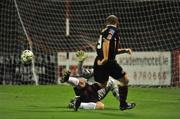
<point>110,33</point>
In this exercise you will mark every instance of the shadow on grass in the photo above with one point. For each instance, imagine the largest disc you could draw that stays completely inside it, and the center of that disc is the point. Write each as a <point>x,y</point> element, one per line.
<point>62,107</point>
<point>37,108</point>
<point>47,107</point>
<point>109,111</point>
<point>117,114</point>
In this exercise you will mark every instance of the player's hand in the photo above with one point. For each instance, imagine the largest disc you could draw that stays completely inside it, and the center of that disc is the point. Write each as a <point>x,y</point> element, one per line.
<point>101,62</point>
<point>81,55</point>
<point>129,51</point>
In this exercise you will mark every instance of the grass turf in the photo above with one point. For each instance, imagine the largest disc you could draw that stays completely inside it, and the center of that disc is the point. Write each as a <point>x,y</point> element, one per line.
<point>50,102</point>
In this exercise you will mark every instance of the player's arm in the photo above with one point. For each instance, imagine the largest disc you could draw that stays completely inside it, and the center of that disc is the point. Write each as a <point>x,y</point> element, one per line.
<point>80,67</point>
<point>105,52</point>
<point>106,45</point>
<point>84,72</point>
<point>124,50</point>
<point>81,56</point>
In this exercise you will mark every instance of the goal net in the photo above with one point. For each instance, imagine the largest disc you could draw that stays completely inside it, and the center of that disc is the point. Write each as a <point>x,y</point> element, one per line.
<point>53,29</point>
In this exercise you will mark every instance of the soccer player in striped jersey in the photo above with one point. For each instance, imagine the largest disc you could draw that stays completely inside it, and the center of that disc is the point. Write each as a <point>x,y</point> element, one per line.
<point>105,64</point>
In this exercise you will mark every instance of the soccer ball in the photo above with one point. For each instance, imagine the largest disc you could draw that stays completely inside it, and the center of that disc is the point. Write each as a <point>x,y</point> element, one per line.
<point>27,56</point>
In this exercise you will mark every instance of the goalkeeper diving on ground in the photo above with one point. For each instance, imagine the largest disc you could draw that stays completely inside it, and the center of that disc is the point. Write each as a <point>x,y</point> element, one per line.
<point>89,95</point>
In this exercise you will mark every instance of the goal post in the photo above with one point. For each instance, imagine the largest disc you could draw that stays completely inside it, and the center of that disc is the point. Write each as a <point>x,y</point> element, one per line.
<point>64,26</point>
<point>29,42</point>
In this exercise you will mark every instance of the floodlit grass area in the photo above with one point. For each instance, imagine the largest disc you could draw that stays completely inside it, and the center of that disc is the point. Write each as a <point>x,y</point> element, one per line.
<point>50,102</point>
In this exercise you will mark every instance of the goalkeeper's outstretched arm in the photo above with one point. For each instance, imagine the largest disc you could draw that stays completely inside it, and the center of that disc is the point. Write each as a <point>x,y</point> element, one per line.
<point>83,72</point>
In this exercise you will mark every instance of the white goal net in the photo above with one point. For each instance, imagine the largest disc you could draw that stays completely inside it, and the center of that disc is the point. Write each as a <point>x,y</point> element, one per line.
<point>49,27</point>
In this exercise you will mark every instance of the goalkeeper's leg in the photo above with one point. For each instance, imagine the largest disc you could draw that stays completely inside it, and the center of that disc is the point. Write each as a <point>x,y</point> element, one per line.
<point>86,105</point>
<point>73,80</point>
<point>111,86</point>
<point>92,105</point>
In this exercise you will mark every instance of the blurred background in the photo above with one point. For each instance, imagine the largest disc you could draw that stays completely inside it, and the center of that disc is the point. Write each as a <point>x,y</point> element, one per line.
<point>55,29</point>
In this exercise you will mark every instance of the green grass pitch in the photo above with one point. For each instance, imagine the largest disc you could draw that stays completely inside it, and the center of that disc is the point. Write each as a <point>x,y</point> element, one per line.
<point>50,102</point>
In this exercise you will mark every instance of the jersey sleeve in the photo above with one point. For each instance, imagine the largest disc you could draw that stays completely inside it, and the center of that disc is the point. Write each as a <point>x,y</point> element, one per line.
<point>110,34</point>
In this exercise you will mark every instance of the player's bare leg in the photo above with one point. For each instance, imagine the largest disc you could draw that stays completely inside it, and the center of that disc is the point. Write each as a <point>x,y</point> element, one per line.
<point>123,92</point>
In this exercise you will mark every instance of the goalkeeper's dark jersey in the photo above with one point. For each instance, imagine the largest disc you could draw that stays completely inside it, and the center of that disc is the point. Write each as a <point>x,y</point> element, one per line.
<point>88,93</point>
<point>110,33</point>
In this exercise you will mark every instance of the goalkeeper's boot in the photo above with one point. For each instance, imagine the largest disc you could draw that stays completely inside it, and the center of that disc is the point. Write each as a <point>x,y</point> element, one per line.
<point>71,104</point>
<point>77,103</point>
<point>65,77</point>
<point>127,106</point>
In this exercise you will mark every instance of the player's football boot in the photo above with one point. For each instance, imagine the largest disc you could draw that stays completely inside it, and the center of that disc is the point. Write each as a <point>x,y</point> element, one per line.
<point>71,104</point>
<point>127,106</point>
<point>65,77</point>
<point>77,103</point>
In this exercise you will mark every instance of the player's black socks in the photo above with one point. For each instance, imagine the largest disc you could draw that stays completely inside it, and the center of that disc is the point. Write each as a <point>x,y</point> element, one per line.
<point>123,92</point>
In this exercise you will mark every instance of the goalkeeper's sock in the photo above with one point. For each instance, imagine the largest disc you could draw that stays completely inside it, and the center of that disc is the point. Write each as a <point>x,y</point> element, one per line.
<point>113,87</point>
<point>123,92</point>
<point>73,81</point>
<point>102,93</point>
<point>90,105</point>
<point>115,92</point>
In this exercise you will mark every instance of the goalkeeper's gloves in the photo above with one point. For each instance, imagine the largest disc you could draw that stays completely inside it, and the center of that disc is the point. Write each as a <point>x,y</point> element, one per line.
<point>81,55</point>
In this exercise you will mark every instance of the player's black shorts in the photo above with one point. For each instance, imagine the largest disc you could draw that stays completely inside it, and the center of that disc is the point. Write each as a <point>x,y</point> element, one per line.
<point>111,68</point>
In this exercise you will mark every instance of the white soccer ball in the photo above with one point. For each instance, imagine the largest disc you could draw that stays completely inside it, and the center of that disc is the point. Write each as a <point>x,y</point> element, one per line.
<point>27,56</point>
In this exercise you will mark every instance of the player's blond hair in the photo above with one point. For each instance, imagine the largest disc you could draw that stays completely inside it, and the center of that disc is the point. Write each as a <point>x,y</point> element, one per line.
<point>112,20</point>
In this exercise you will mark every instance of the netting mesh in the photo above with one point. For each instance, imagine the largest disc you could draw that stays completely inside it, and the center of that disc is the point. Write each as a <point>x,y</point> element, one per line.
<point>145,25</point>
